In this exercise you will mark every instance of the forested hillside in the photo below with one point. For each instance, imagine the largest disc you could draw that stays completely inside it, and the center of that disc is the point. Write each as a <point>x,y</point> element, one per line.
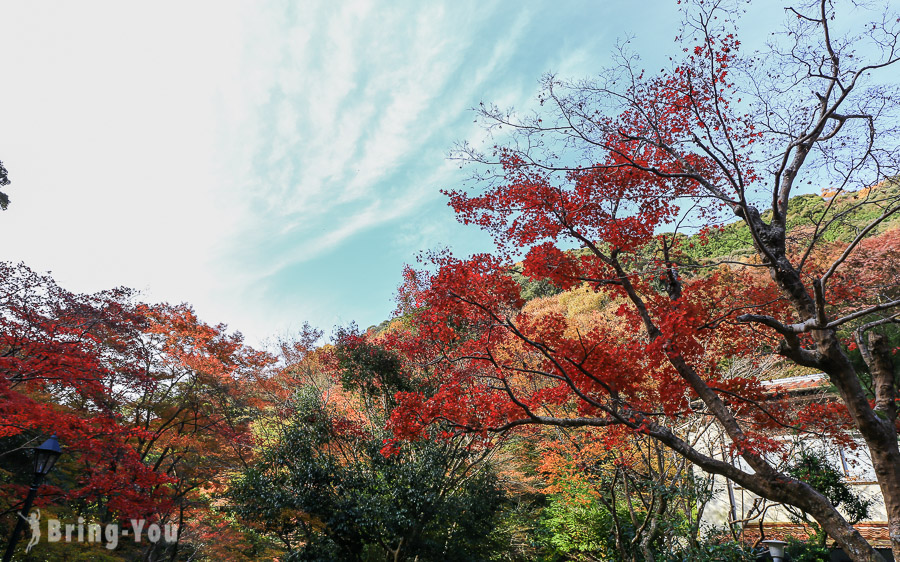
<point>830,216</point>
<point>255,455</point>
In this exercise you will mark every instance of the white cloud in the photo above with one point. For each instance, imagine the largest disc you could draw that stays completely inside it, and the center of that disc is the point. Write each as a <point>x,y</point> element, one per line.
<point>367,104</point>
<point>198,149</point>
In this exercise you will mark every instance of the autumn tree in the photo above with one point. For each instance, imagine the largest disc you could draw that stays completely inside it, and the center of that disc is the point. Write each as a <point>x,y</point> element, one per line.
<point>66,361</point>
<point>148,401</point>
<point>586,186</point>
<point>193,423</point>
<point>625,497</point>
<point>322,484</point>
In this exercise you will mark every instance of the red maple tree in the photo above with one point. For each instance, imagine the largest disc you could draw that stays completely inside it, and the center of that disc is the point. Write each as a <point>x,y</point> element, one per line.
<point>65,362</point>
<point>150,403</point>
<point>605,166</point>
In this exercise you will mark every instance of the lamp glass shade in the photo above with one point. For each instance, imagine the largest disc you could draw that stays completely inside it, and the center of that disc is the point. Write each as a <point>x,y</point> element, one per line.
<point>45,456</point>
<point>776,548</point>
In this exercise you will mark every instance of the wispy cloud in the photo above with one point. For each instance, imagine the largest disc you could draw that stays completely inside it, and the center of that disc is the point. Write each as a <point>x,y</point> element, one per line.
<point>267,161</point>
<point>333,147</point>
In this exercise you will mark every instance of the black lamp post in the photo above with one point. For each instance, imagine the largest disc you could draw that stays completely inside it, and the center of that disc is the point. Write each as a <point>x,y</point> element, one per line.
<point>44,458</point>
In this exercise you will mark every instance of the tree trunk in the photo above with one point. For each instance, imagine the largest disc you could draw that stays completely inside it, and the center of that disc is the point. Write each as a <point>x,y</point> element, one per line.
<point>828,355</point>
<point>891,492</point>
<point>771,484</point>
<point>653,528</point>
<point>877,355</point>
<point>876,427</point>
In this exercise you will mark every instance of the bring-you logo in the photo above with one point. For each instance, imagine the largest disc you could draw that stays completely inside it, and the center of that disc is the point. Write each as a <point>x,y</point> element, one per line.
<point>108,534</point>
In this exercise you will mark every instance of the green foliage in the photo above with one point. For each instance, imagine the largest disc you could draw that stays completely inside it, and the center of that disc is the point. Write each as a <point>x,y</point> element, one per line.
<point>839,219</point>
<point>807,551</point>
<point>731,240</point>
<point>584,531</point>
<point>535,289</point>
<point>816,471</point>
<point>518,533</point>
<point>328,494</point>
<point>578,529</point>
<point>368,368</point>
<point>717,546</point>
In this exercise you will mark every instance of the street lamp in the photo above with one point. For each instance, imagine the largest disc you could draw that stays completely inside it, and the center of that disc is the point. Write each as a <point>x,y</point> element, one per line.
<point>776,549</point>
<point>44,458</point>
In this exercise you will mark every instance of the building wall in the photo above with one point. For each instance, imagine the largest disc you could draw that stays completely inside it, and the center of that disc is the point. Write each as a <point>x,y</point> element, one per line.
<point>748,508</point>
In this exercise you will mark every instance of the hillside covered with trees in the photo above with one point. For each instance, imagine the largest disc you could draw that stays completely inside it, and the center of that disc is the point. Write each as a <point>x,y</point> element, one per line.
<point>258,455</point>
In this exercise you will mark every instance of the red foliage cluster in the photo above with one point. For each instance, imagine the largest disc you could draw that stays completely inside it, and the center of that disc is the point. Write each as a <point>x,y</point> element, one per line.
<point>130,389</point>
<point>500,365</point>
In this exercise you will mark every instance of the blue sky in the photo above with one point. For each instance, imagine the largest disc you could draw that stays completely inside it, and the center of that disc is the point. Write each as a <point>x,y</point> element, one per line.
<point>269,162</point>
